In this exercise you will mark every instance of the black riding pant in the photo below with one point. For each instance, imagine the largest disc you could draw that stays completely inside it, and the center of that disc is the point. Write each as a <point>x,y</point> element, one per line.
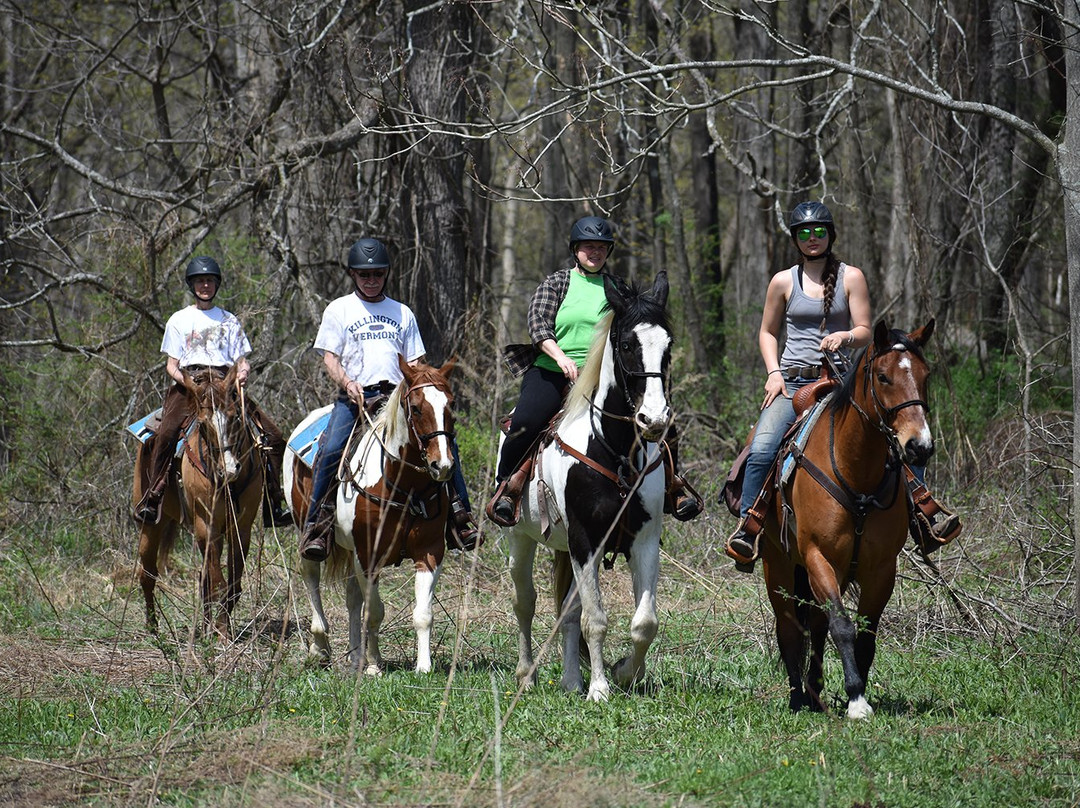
<point>542,393</point>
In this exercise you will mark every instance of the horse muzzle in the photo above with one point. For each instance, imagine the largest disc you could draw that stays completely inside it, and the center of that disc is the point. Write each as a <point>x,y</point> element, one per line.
<point>917,451</point>
<point>653,428</point>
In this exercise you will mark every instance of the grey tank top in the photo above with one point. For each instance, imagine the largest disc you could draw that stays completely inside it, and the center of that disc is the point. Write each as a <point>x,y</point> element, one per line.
<point>803,321</point>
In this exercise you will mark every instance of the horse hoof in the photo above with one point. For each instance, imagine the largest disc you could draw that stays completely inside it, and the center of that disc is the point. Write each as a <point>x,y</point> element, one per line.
<point>598,693</point>
<point>859,708</point>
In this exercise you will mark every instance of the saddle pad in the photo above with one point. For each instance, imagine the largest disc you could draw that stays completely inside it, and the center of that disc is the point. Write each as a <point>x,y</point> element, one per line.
<point>788,465</point>
<point>147,426</point>
<point>306,442</point>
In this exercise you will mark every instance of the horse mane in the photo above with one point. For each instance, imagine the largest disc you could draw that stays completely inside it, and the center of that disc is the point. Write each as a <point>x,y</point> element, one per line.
<point>390,419</point>
<point>589,377</point>
<point>640,308</point>
<point>842,395</point>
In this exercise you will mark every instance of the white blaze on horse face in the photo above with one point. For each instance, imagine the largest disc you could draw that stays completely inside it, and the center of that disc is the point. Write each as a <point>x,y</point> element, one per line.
<point>654,414</point>
<point>922,436</point>
<point>439,447</point>
<point>220,421</point>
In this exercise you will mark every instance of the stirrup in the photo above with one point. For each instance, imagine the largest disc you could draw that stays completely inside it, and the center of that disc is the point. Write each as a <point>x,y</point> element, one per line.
<point>504,508</point>
<point>317,535</point>
<point>682,501</point>
<point>461,530</point>
<point>744,562</point>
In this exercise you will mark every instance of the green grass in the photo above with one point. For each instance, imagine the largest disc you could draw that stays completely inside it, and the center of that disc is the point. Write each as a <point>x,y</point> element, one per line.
<point>95,711</point>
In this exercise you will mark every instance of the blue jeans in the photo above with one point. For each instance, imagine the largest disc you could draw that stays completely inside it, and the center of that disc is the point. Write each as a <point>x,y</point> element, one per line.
<point>772,425</point>
<point>332,445</point>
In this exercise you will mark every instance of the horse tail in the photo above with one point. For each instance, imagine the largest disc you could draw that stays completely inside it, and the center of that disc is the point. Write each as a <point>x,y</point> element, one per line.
<point>166,544</point>
<point>339,564</point>
<point>562,578</point>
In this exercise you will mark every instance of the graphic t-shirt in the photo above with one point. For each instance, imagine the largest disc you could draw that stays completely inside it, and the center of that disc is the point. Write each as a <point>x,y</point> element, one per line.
<point>575,323</point>
<point>369,336</point>
<point>212,337</point>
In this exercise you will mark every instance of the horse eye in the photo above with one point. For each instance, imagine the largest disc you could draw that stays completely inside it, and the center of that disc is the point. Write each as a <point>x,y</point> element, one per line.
<point>883,378</point>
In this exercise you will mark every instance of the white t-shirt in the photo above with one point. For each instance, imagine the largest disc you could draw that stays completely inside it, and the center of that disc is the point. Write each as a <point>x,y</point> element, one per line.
<point>369,336</point>
<point>211,337</point>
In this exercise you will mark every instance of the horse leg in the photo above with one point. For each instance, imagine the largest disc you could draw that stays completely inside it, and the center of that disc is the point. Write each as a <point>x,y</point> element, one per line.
<point>427,574</point>
<point>815,620</point>
<point>790,635</point>
<point>238,551</point>
<point>645,571</point>
<point>594,624</point>
<point>568,610</point>
<point>522,561</point>
<point>823,581</point>
<point>366,650</point>
<point>874,595</point>
<point>319,649</point>
<point>149,540</point>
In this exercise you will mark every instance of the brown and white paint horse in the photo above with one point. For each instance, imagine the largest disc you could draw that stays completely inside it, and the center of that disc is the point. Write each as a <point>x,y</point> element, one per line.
<point>392,506</point>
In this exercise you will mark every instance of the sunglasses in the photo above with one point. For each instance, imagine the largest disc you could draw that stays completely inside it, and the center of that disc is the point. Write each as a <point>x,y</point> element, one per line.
<point>369,273</point>
<point>804,233</point>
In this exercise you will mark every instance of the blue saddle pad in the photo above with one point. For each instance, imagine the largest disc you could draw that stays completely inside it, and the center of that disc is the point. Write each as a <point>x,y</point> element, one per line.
<point>800,438</point>
<point>147,426</point>
<point>306,442</point>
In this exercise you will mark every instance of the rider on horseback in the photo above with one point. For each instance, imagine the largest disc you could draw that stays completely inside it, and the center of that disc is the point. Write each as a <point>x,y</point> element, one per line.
<point>563,314</point>
<point>205,337</point>
<point>824,304</point>
<point>360,338</point>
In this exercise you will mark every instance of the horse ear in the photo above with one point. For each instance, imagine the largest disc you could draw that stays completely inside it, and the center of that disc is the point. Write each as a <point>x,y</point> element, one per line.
<point>448,367</point>
<point>881,336</point>
<point>922,336</point>
<point>616,296</point>
<point>406,368</point>
<point>659,291</point>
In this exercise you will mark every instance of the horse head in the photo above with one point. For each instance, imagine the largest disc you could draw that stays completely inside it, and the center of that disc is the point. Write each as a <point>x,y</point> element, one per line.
<point>895,382</point>
<point>640,344</point>
<point>216,401</point>
<point>427,402</point>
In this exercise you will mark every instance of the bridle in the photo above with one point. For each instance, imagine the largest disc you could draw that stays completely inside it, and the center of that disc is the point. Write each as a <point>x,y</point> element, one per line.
<point>885,415</point>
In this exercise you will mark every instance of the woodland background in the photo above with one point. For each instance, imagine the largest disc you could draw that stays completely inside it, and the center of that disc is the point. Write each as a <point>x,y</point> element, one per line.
<point>468,136</point>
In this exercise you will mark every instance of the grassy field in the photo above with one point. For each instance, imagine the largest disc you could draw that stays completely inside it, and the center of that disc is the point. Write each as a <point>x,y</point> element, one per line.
<point>975,690</point>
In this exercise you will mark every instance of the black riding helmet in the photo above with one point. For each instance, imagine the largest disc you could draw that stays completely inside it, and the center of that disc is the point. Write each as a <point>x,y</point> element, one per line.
<point>369,253</point>
<point>201,265</point>
<point>810,213</point>
<point>591,228</point>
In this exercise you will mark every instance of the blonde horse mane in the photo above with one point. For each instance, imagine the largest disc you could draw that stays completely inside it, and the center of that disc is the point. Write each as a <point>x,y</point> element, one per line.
<point>589,377</point>
<point>390,422</point>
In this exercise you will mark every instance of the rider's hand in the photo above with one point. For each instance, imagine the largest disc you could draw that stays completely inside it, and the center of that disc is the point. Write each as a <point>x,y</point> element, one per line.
<point>355,392</point>
<point>774,386</point>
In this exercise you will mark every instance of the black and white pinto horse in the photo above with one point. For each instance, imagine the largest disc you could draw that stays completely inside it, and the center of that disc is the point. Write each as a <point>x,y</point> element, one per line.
<point>598,489</point>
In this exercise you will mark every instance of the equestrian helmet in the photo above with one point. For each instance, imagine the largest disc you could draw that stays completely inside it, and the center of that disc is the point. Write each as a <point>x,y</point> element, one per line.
<point>806,213</point>
<point>368,253</point>
<point>591,228</point>
<point>201,265</point>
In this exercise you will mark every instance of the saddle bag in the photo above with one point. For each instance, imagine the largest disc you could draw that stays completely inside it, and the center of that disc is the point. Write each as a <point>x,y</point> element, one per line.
<point>731,493</point>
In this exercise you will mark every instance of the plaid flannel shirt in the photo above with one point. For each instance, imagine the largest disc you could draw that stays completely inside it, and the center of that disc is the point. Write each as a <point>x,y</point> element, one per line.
<point>543,307</point>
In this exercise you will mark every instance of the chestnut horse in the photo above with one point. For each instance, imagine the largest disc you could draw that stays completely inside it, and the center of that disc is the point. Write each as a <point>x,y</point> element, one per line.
<point>598,490</point>
<point>392,505</point>
<point>215,491</point>
<point>842,518</point>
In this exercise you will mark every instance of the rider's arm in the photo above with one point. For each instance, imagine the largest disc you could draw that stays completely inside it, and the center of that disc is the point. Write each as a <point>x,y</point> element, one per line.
<point>336,371</point>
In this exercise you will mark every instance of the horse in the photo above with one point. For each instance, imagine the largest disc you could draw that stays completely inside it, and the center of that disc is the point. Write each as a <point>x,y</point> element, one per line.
<point>598,491</point>
<point>842,516</point>
<point>392,505</point>
<point>216,494</point>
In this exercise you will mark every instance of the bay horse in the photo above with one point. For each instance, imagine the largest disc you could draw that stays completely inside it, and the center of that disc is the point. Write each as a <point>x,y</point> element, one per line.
<point>215,491</point>
<point>392,505</point>
<point>842,518</point>
<point>598,490</point>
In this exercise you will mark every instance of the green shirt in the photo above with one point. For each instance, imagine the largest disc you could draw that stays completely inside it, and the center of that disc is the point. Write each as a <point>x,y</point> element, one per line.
<point>575,322</point>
